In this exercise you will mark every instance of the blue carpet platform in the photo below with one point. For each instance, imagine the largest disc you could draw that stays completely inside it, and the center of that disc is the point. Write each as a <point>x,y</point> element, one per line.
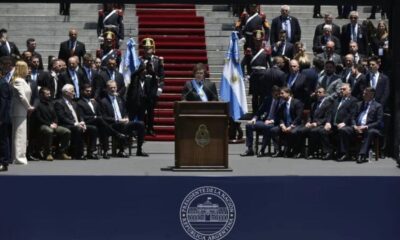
<point>262,198</point>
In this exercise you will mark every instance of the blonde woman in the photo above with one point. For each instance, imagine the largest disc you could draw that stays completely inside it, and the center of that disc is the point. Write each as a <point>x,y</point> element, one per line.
<point>20,107</point>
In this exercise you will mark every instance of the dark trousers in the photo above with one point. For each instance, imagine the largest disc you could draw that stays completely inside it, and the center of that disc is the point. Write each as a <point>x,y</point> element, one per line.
<point>104,130</point>
<point>235,131</point>
<point>318,138</point>
<point>344,10</point>
<point>5,143</point>
<point>64,8</point>
<point>291,140</point>
<point>345,136</point>
<point>317,9</point>
<point>77,140</point>
<point>149,118</point>
<point>129,129</point>
<point>367,138</point>
<point>260,127</point>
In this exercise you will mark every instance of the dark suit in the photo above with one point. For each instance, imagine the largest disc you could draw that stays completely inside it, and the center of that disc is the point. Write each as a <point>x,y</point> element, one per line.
<point>286,49</point>
<point>291,139</point>
<point>66,119</point>
<point>320,114</point>
<point>267,111</point>
<point>319,30</point>
<point>276,27</point>
<point>362,38</point>
<point>49,80</point>
<point>300,89</point>
<point>94,117</point>
<point>312,76</point>
<point>5,122</point>
<point>321,41</point>
<point>359,83</point>
<point>108,114</point>
<point>13,52</point>
<point>342,113</point>
<point>66,77</point>
<point>189,92</point>
<point>374,121</point>
<point>105,76</point>
<point>66,52</point>
<point>382,88</point>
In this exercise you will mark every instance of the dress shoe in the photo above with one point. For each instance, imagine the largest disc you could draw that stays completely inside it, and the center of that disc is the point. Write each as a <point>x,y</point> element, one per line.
<point>106,156</point>
<point>93,157</point>
<point>318,15</point>
<point>3,168</point>
<point>298,155</point>
<point>49,157</point>
<point>32,158</point>
<point>64,156</point>
<point>80,157</point>
<point>362,159</point>
<point>343,158</point>
<point>122,155</point>
<point>141,154</point>
<point>248,153</point>
<point>277,154</point>
<point>261,154</point>
<point>327,156</point>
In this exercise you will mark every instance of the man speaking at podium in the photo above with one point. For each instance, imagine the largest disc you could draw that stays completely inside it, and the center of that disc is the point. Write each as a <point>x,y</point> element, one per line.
<point>199,88</point>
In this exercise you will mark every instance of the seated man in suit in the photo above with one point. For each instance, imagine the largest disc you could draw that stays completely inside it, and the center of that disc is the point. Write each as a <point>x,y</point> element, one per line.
<point>67,114</point>
<point>314,128</point>
<point>368,123</point>
<point>45,120</point>
<point>329,53</point>
<point>290,115</point>
<point>331,82</point>
<point>115,114</point>
<point>343,112</point>
<point>90,112</point>
<point>199,88</point>
<point>263,121</point>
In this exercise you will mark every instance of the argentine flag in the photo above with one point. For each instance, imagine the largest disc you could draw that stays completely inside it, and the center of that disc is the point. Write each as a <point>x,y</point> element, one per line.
<point>130,61</point>
<point>232,87</point>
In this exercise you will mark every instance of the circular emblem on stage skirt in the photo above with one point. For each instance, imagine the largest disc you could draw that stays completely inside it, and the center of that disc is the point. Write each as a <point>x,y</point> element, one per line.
<point>207,213</point>
<point>202,136</point>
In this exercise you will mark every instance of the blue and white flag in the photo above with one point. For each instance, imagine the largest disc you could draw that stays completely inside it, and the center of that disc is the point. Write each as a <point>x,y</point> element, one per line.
<point>130,61</point>
<point>232,87</point>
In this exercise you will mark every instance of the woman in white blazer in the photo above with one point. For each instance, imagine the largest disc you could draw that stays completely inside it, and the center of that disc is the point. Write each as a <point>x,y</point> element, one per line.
<point>20,107</point>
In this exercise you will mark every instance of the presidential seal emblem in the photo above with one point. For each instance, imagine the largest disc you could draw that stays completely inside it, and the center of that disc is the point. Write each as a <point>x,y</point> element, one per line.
<point>207,213</point>
<point>202,137</point>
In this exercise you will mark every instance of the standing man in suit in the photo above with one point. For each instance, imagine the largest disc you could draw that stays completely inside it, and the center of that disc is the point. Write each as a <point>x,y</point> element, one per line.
<point>90,111</point>
<point>329,53</point>
<point>379,81</point>
<point>290,115</point>
<point>5,118</point>
<point>320,114</point>
<point>265,118</point>
<point>91,76</point>
<point>343,113</point>
<point>31,47</point>
<point>114,113</point>
<point>283,47</point>
<point>331,81</point>
<point>7,48</point>
<point>320,42</point>
<point>111,73</point>
<point>73,76</point>
<point>355,32</point>
<point>50,79</point>
<point>68,117</point>
<point>288,23</point>
<point>72,47</point>
<point>358,80</point>
<point>353,50</point>
<point>328,20</point>
<point>199,88</point>
<point>296,81</point>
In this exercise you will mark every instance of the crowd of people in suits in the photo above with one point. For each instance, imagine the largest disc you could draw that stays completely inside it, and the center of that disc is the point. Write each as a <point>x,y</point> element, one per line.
<point>80,100</point>
<point>340,96</point>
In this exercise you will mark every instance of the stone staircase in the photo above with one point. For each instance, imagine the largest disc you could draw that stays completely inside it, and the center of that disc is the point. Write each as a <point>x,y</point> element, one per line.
<point>42,22</point>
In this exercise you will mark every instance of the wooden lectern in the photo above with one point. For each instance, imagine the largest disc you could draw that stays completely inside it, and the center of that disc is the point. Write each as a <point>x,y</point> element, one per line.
<point>201,136</point>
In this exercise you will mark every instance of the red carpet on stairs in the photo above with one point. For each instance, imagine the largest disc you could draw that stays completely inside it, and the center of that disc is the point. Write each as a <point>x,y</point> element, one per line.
<point>180,38</point>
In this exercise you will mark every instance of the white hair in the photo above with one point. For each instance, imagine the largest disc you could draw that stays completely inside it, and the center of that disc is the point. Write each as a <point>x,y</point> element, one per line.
<point>285,7</point>
<point>67,87</point>
<point>327,27</point>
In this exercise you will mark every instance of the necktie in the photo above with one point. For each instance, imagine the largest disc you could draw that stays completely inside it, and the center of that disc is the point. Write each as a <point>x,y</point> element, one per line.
<point>76,83</point>
<point>337,110</point>
<point>288,117</point>
<point>353,33</point>
<point>373,80</point>
<point>117,112</point>
<point>72,111</point>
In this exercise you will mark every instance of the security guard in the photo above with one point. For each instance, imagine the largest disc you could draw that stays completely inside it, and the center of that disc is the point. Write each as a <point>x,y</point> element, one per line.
<point>111,19</point>
<point>108,50</point>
